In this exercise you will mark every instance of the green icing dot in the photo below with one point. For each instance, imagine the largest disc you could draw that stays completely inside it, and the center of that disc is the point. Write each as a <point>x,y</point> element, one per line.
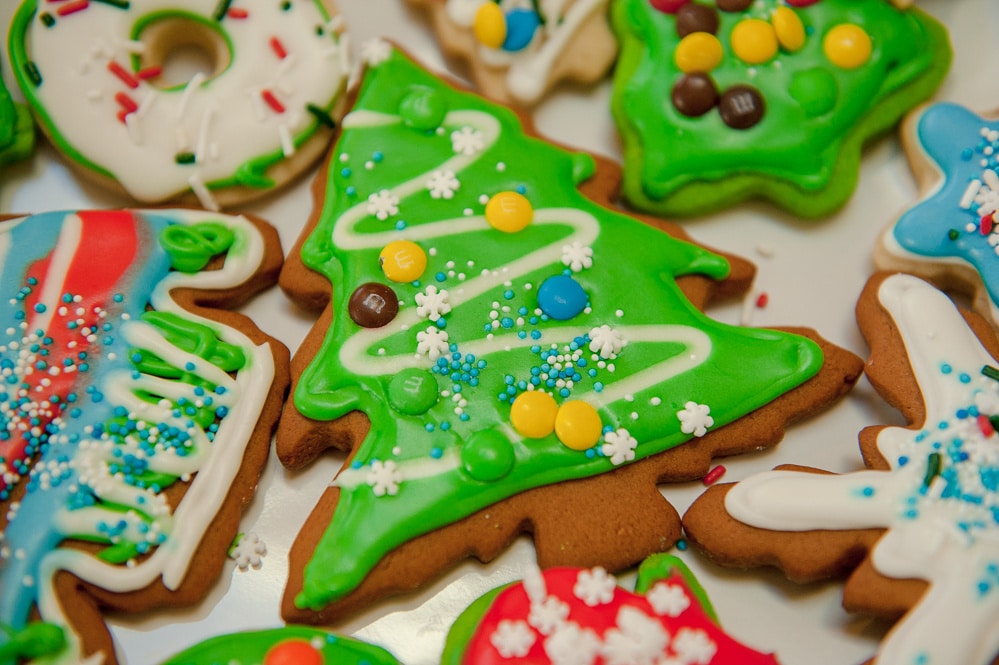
<point>816,90</point>
<point>192,247</point>
<point>487,456</point>
<point>423,109</point>
<point>413,391</point>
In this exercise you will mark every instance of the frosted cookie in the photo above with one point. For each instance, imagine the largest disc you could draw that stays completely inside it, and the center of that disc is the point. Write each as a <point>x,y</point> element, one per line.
<point>916,532</point>
<point>290,645</point>
<point>721,102</point>
<point>17,133</point>
<point>950,237</point>
<point>98,78</point>
<point>517,50</point>
<point>135,416</point>
<point>578,615</point>
<point>505,353</point>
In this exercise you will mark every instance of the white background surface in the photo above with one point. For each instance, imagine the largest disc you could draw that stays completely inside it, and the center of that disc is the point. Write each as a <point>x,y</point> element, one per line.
<point>812,273</point>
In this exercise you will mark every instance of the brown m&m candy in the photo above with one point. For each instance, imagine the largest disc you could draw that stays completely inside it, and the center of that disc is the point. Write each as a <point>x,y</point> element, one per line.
<point>695,17</point>
<point>372,305</point>
<point>734,5</point>
<point>741,106</point>
<point>694,94</point>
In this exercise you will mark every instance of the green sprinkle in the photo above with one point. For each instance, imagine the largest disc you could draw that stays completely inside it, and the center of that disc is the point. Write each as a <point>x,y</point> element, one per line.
<point>991,372</point>
<point>47,19</point>
<point>31,69</point>
<point>933,464</point>
<point>184,158</point>
<point>120,4</point>
<point>221,9</point>
<point>953,234</point>
<point>320,30</point>
<point>320,115</point>
<point>286,5</point>
<point>994,421</point>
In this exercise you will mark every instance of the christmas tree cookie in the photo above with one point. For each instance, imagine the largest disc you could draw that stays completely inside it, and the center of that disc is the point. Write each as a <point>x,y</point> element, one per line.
<point>719,101</point>
<point>916,532</point>
<point>578,615</point>
<point>135,416</point>
<point>502,353</point>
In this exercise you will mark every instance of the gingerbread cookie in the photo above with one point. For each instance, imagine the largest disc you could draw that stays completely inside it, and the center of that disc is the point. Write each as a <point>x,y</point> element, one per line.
<point>17,133</point>
<point>290,645</point>
<point>505,353</point>
<point>916,531</point>
<point>949,237</point>
<point>574,615</point>
<point>136,416</point>
<point>719,102</point>
<point>97,77</point>
<point>517,50</point>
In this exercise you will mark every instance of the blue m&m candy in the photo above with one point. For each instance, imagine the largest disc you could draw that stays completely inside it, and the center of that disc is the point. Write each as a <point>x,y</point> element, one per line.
<point>561,297</point>
<point>520,27</point>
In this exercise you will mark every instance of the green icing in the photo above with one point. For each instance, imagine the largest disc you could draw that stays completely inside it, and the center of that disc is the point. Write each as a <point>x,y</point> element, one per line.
<point>191,247</point>
<point>431,469</point>
<point>814,125</point>
<point>17,133</point>
<point>250,648</point>
<point>37,640</point>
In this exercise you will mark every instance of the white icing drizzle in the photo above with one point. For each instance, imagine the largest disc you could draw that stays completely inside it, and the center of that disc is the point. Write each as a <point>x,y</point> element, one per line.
<point>950,541</point>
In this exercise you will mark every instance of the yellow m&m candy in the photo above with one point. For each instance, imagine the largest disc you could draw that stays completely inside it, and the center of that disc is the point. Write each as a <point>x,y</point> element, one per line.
<point>403,261</point>
<point>698,52</point>
<point>509,212</point>
<point>847,46</point>
<point>789,29</point>
<point>533,414</point>
<point>754,41</point>
<point>578,425</point>
<point>489,25</point>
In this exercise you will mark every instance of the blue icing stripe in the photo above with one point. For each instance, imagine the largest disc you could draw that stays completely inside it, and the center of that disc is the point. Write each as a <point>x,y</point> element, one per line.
<point>964,146</point>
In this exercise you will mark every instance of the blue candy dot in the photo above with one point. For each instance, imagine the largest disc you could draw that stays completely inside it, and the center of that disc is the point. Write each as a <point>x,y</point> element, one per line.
<point>561,297</point>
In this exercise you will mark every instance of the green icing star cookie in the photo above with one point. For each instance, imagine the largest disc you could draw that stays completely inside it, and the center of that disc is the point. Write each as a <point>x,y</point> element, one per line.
<point>771,99</point>
<point>505,334</point>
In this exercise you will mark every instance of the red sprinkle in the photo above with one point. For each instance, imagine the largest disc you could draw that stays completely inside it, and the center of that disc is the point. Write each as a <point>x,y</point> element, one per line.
<point>762,300</point>
<point>714,475</point>
<point>73,7</point>
<point>123,74</point>
<point>986,224</point>
<point>272,101</point>
<point>149,73</point>
<point>985,425</point>
<point>237,12</point>
<point>278,48</point>
<point>127,103</point>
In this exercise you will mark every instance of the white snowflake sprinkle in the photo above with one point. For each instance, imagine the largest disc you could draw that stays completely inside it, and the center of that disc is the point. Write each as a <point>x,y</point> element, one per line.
<point>467,141</point>
<point>443,184</point>
<point>548,615</point>
<point>619,446</point>
<point>572,645</point>
<point>383,204</point>
<point>695,419</point>
<point>694,646</point>
<point>577,256</point>
<point>384,478</point>
<point>594,587</point>
<point>668,599</point>
<point>375,51</point>
<point>432,303</point>
<point>433,342</point>
<point>606,341</point>
<point>248,552</point>
<point>512,639</point>
<point>638,639</point>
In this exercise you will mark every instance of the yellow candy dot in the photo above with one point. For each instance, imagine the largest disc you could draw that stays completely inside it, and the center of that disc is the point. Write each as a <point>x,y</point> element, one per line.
<point>754,41</point>
<point>847,46</point>
<point>698,52</point>
<point>509,212</point>
<point>533,414</point>
<point>789,28</point>
<point>489,25</point>
<point>403,261</point>
<point>577,425</point>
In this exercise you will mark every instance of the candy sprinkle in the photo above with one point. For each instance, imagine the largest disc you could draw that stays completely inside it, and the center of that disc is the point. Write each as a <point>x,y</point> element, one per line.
<point>714,475</point>
<point>991,372</point>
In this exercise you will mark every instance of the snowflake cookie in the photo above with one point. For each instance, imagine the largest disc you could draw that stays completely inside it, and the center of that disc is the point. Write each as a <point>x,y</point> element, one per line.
<point>917,531</point>
<point>506,375</point>
<point>667,620</point>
